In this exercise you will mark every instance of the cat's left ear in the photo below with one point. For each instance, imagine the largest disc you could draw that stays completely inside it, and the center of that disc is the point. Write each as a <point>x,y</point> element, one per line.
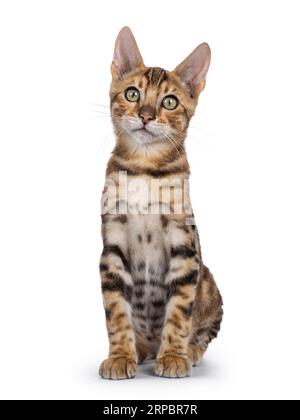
<point>127,56</point>
<point>193,70</point>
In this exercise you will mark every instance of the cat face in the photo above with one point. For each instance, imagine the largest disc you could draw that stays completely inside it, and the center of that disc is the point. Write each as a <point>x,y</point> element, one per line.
<point>150,105</point>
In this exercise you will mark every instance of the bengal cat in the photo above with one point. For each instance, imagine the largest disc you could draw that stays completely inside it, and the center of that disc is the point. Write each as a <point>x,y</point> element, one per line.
<point>160,300</point>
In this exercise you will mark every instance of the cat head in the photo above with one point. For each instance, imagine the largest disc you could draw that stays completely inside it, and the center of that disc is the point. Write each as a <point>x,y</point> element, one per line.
<point>150,105</point>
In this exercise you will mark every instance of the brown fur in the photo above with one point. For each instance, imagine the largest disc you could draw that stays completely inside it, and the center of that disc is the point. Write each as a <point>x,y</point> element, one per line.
<point>160,299</point>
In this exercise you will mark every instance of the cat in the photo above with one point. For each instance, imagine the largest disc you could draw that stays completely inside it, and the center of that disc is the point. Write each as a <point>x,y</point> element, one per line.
<point>161,301</point>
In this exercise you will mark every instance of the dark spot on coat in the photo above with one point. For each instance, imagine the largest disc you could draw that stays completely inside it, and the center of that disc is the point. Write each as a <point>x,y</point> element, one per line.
<point>158,303</point>
<point>139,294</point>
<point>103,267</point>
<point>184,228</point>
<point>108,314</point>
<point>139,283</point>
<point>119,316</point>
<point>164,221</point>
<point>139,306</point>
<point>141,266</point>
<point>122,218</point>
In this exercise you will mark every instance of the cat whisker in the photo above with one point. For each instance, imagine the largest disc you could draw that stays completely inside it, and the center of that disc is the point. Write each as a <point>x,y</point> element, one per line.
<point>105,142</point>
<point>197,128</point>
<point>179,145</point>
<point>97,117</point>
<point>100,113</point>
<point>99,105</point>
<point>172,142</point>
<point>93,117</point>
<point>196,140</point>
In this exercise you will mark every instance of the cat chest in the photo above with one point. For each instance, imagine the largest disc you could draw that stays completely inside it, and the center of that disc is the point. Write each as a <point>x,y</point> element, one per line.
<point>149,263</point>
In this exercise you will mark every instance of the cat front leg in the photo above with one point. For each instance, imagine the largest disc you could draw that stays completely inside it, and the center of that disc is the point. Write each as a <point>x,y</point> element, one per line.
<point>173,359</point>
<point>117,292</point>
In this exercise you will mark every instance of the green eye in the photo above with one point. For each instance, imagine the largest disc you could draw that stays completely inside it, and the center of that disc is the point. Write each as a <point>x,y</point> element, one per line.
<point>132,95</point>
<point>170,103</point>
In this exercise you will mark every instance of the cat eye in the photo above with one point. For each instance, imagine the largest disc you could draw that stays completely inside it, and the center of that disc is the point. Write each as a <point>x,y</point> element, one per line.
<point>132,95</point>
<point>170,102</point>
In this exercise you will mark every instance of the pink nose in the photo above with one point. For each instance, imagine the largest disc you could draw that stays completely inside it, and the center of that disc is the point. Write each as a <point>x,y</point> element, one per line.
<point>147,114</point>
<point>146,118</point>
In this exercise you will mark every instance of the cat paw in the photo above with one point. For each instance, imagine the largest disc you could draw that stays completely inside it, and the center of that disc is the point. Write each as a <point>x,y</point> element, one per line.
<point>118,368</point>
<point>195,354</point>
<point>173,366</point>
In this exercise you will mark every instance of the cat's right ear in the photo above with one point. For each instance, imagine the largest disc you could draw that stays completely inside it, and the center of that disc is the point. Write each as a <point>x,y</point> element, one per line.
<point>193,70</point>
<point>127,56</point>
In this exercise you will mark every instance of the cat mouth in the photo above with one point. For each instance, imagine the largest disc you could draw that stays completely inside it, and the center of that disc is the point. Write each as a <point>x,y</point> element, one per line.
<point>143,130</point>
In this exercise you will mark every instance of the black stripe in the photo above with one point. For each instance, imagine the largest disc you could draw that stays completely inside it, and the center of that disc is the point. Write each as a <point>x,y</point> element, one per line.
<point>103,267</point>
<point>155,173</point>
<point>139,306</point>
<point>164,220</point>
<point>189,279</point>
<point>155,283</point>
<point>109,311</point>
<point>159,173</point>
<point>183,252</point>
<point>139,283</point>
<point>201,331</point>
<point>184,228</point>
<point>122,218</point>
<point>156,75</point>
<point>158,303</point>
<point>186,311</point>
<point>155,318</point>
<point>139,294</point>
<point>213,334</point>
<point>157,326</point>
<point>116,284</point>
<point>108,314</point>
<point>116,250</point>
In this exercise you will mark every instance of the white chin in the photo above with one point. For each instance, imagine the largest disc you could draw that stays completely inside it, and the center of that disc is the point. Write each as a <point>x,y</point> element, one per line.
<point>143,137</point>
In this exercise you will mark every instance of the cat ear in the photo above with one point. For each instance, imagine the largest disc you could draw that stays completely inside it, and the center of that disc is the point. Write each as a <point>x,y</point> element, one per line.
<point>193,70</point>
<point>127,56</point>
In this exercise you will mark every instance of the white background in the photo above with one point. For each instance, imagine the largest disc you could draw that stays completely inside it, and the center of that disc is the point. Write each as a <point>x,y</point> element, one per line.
<point>244,152</point>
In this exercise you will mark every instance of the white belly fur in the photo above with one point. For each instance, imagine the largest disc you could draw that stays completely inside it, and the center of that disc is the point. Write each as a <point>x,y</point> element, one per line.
<point>149,262</point>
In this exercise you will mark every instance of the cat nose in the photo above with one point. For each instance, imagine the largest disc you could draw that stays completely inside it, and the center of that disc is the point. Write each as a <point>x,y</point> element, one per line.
<point>147,114</point>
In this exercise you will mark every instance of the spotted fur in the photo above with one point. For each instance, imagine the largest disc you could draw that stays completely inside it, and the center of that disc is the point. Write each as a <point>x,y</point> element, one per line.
<point>160,300</point>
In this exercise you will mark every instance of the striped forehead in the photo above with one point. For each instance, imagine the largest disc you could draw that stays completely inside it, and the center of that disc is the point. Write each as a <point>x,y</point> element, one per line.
<point>155,76</point>
<point>154,80</point>
<point>152,77</point>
